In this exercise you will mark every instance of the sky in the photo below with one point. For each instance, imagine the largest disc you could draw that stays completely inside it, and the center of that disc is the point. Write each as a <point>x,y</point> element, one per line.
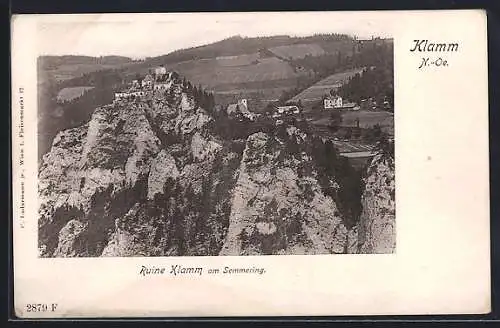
<point>148,35</point>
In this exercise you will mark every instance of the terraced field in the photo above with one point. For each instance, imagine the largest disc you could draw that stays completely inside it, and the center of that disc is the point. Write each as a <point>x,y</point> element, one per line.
<point>260,80</point>
<point>210,73</point>
<point>339,77</point>
<point>296,51</point>
<point>68,72</point>
<point>323,87</point>
<point>333,47</point>
<point>241,60</point>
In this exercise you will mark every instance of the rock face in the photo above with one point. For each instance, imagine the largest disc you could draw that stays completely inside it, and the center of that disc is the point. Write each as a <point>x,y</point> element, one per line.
<point>97,174</point>
<point>377,229</point>
<point>151,177</point>
<point>162,167</point>
<point>276,212</point>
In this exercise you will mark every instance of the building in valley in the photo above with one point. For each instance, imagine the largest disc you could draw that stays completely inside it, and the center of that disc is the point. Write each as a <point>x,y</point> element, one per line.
<point>240,106</point>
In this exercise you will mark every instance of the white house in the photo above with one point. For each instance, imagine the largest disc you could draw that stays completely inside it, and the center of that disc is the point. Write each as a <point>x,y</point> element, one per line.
<point>162,85</point>
<point>333,102</point>
<point>160,70</point>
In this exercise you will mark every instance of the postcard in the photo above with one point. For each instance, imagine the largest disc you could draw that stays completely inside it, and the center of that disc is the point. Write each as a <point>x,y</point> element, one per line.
<point>250,164</point>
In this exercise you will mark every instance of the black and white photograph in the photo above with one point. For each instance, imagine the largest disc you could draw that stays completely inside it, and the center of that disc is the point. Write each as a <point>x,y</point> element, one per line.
<point>186,164</point>
<point>164,138</point>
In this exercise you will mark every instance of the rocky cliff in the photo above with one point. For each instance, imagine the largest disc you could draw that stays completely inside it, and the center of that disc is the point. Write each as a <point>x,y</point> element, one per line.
<point>376,227</point>
<point>150,177</point>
